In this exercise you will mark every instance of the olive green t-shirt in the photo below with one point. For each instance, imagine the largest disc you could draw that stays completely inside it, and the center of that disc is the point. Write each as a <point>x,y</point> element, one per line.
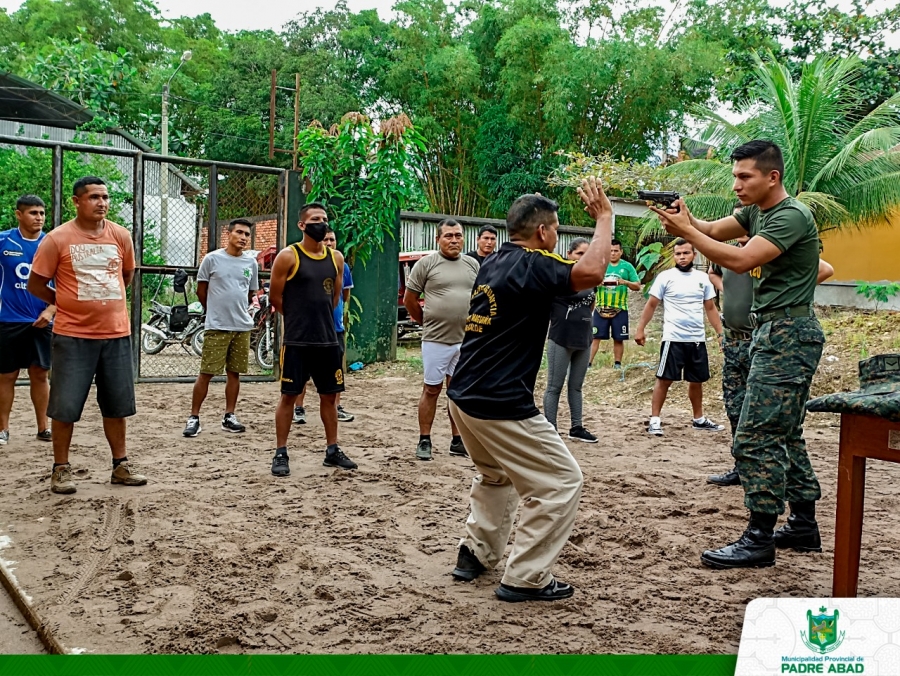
<point>789,279</point>
<point>447,284</point>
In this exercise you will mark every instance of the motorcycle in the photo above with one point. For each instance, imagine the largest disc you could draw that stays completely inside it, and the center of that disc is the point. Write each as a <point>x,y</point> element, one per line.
<point>174,324</point>
<point>262,337</point>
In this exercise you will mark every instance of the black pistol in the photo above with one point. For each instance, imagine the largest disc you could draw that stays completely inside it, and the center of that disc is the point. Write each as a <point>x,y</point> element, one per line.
<point>662,198</point>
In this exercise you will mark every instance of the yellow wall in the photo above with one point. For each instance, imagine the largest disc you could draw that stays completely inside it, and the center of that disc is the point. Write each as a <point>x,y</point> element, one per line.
<point>868,255</point>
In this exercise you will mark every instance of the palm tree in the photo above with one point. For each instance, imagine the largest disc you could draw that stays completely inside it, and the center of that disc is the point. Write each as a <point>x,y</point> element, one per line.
<point>843,165</point>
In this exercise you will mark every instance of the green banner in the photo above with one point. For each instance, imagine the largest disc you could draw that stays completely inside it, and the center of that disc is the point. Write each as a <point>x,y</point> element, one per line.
<point>368,665</point>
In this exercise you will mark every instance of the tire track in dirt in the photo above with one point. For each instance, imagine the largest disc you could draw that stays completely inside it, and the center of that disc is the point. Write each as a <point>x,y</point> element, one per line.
<point>118,518</point>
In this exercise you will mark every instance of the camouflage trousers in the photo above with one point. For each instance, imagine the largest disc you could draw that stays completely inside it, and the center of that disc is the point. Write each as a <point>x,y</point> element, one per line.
<point>769,449</point>
<point>735,370</point>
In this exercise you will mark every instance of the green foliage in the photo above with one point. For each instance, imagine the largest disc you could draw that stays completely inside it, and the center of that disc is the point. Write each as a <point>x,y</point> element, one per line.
<point>31,172</point>
<point>649,256</point>
<point>878,293</point>
<point>92,77</point>
<point>844,165</point>
<point>366,177</point>
<point>495,87</point>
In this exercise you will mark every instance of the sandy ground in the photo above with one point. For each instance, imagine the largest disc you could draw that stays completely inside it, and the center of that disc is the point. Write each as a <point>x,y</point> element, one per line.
<point>16,637</point>
<point>216,555</point>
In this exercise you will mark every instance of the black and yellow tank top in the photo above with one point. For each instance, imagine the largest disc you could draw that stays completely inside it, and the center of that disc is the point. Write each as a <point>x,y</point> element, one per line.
<point>308,301</point>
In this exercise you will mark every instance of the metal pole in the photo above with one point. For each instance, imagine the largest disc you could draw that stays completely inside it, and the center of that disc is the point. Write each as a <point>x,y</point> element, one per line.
<point>296,116</point>
<point>57,186</point>
<point>272,116</point>
<point>164,177</point>
<point>213,237</point>
<point>137,235</point>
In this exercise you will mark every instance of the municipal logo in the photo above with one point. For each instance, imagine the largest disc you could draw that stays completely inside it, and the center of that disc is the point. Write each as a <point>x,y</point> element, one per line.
<point>822,636</point>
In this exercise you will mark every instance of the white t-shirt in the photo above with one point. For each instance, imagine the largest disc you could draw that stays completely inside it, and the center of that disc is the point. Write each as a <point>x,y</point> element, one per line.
<point>682,295</point>
<point>231,279</point>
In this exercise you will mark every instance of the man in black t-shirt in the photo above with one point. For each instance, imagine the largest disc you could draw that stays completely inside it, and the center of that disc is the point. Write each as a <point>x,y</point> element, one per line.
<point>518,453</point>
<point>485,244</point>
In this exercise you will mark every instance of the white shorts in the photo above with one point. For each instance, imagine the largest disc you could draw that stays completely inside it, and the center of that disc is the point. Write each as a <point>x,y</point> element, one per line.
<point>439,361</point>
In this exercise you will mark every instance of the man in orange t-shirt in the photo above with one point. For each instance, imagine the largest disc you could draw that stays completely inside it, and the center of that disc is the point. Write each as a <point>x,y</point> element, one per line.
<point>91,261</point>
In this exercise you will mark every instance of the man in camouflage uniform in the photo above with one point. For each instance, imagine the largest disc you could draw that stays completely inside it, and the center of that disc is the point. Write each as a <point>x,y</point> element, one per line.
<point>787,344</point>
<point>737,297</point>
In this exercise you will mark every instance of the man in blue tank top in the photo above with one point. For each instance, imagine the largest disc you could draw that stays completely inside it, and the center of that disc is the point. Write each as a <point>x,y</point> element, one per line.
<point>24,319</point>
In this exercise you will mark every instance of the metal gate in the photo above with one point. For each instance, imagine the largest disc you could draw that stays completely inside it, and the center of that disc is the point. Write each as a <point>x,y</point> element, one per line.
<point>176,209</point>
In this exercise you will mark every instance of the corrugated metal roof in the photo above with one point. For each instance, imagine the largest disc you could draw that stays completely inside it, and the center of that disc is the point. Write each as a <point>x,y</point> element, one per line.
<point>27,102</point>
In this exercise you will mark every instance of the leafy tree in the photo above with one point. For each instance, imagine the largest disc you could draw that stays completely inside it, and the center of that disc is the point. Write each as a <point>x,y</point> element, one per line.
<point>95,78</point>
<point>366,177</point>
<point>30,171</point>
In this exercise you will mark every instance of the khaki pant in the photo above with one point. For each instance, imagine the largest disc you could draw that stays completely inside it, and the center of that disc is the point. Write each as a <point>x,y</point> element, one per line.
<point>527,459</point>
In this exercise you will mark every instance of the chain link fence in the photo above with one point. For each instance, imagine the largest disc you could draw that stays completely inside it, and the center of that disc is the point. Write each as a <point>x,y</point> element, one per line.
<point>177,210</point>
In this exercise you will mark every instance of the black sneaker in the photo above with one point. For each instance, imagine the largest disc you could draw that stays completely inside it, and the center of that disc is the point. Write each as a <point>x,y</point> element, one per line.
<point>707,425</point>
<point>299,415</point>
<point>192,428</point>
<point>468,567</point>
<point>458,449</point>
<point>582,434</point>
<point>554,591</point>
<point>44,435</point>
<point>343,416</point>
<point>280,464</point>
<point>334,457</point>
<point>230,423</point>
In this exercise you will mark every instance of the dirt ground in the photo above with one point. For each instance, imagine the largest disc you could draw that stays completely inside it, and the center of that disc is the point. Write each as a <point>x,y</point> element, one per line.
<point>216,555</point>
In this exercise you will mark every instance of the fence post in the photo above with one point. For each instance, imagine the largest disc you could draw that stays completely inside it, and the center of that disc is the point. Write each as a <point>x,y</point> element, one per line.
<point>212,240</point>
<point>137,285</point>
<point>57,186</point>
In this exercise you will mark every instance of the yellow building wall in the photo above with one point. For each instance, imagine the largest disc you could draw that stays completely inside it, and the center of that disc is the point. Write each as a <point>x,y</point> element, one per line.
<point>868,255</point>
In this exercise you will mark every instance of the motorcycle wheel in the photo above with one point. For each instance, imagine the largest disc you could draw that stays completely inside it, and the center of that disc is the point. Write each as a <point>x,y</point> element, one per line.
<point>197,342</point>
<point>151,344</point>
<point>265,354</point>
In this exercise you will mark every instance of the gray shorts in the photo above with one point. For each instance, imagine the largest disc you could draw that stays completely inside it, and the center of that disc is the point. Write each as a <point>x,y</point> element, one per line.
<point>76,362</point>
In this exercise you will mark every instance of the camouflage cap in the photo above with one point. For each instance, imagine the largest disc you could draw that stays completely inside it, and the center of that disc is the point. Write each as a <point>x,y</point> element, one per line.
<point>878,393</point>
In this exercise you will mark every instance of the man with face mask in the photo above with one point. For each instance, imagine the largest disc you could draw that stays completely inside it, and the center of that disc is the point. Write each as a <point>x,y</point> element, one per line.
<point>305,288</point>
<point>686,294</point>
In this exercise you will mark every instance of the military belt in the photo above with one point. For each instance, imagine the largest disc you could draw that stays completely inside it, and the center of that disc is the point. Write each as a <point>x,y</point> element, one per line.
<point>737,335</point>
<point>760,318</point>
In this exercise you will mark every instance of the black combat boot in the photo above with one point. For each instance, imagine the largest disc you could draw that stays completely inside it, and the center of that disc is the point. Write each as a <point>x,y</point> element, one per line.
<point>801,532</point>
<point>729,478</point>
<point>755,548</point>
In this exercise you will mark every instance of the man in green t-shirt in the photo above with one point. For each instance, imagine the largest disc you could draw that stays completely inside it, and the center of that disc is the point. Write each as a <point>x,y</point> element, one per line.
<point>782,257</point>
<point>611,313</point>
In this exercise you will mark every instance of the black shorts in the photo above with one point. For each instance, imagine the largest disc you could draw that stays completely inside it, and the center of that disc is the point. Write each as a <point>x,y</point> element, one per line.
<point>617,327</point>
<point>324,364</point>
<point>687,358</point>
<point>76,362</point>
<point>22,346</point>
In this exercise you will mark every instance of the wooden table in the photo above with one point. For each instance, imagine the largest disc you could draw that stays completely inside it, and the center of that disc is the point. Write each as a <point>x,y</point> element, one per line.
<point>862,437</point>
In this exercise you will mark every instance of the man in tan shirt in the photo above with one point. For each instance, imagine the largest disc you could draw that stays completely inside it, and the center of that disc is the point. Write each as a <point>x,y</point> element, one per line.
<point>446,278</point>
